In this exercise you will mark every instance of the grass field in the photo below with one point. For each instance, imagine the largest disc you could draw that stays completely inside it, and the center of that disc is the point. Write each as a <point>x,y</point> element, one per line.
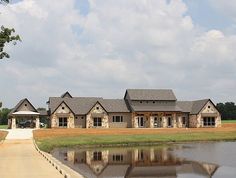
<point>228,121</point>
<point>3,126</point>
<point>47,139</point>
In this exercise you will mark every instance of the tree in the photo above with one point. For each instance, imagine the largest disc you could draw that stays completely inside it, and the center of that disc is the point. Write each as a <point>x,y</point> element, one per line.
<point>6,36</point>
<point>227,110</point>
<point>4,1</point>
<point>4,116</point>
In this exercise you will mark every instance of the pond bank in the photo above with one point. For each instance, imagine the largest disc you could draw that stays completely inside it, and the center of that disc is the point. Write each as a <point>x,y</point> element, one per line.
<point>48,139</point>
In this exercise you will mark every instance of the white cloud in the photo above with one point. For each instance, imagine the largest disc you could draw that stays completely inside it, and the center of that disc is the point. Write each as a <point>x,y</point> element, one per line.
<point>117,45</point>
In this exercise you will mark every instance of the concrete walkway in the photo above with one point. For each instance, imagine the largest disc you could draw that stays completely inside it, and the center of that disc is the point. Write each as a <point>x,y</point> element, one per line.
<point>19,134</point>
<point>19,158</point>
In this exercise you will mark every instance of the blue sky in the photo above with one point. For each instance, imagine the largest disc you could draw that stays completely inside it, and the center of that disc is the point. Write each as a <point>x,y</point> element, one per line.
<point>102,47</point>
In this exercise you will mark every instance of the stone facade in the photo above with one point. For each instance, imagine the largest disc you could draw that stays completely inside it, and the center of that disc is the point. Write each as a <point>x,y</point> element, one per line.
<point>209,109</point>
<point>98,112</point>
<point>63,112</point>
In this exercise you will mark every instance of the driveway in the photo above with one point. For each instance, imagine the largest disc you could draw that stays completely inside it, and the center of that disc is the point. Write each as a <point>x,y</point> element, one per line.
<point>19,134</point>
<point>19,158</point>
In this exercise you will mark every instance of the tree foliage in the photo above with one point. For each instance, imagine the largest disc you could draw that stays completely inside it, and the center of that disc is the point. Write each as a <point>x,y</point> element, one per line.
<point>4,1</point>
<point>4,115</point>
<point>227,110</point>
<point>7,36</point>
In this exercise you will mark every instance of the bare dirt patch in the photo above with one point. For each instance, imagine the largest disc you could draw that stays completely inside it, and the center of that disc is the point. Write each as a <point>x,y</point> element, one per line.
<point>49,133</point>
<point>3,134</point>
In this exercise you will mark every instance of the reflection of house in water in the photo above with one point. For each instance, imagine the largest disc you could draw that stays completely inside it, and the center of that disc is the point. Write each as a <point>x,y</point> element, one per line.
<point>132,163</point>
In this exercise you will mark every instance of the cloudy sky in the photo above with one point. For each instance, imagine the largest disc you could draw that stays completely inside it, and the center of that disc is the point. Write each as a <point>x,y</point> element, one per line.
<point>102,47</point>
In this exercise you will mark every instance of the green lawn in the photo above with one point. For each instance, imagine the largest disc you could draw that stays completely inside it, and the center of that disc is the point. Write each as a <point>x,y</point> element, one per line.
<point>47,144</point>
<point>228,121</point>
<point>3,126</point>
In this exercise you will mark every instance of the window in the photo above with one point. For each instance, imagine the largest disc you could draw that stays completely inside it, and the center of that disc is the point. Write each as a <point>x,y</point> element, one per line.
<point>97,156</point>
<point>25,104</point>
<point>153,102</point>
<point>141,102</point>
<point>209,107</point>
<point>209,121</point>
<point>63,108</point>
<point>117,119</point>
<point>97,108</point>
<point>184,120</point>
<point>97,121</point>
<point>63,122</point>
<point>117,158</point>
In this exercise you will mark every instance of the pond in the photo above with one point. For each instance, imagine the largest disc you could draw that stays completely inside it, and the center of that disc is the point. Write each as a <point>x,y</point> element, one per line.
<point>194,160</point>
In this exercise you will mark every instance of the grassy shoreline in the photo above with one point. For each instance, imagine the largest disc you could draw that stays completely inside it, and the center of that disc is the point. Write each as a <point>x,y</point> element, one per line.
<point>100,140</point>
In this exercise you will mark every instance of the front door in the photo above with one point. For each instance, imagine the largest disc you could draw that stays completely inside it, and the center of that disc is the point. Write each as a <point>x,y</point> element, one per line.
<point>169,122</point>
<point>140,121</point>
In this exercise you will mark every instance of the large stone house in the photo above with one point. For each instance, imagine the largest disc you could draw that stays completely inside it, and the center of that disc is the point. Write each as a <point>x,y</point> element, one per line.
<point>140,108</point>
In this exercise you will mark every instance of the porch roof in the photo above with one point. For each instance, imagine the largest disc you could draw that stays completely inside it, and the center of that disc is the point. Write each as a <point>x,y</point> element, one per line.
<point>21,113</point>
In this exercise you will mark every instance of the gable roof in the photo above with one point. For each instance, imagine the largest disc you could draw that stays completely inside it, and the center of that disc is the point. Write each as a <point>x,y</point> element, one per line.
<point>19,104</point>
<point>193,107</point>
<point>151,94</point>
<point>198,105</point>
<point>82,105</point>
<point>66,94</point>
<point>78,105</point>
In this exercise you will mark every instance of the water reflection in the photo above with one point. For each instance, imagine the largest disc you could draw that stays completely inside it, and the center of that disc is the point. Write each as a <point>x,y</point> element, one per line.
<point>132,162</point>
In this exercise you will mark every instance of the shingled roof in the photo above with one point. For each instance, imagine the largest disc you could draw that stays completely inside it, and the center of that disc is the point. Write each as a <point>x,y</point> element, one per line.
<point>151,94</point>
<point>82,105</point>
<point>193,107</point>
<point>114,105</point>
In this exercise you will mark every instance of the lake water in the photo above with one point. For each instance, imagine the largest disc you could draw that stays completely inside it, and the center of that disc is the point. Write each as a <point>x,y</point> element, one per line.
<point>190,160</point>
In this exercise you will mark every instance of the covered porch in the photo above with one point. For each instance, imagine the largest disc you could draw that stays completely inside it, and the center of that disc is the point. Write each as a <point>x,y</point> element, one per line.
<point>24,119</point>
<point>159,120</point>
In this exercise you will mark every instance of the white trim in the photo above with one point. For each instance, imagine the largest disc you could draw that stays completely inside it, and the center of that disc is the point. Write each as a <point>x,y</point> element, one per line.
<point>25,113</point>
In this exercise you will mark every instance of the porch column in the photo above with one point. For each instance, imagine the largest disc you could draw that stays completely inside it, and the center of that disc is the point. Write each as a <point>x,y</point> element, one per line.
<point>180,122</point>
<point>164,121</point>
<point>13,123</point>
<point>174,120</point>
<point>151,121</point>
<point>37,124</point>
<point>88,121</point>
